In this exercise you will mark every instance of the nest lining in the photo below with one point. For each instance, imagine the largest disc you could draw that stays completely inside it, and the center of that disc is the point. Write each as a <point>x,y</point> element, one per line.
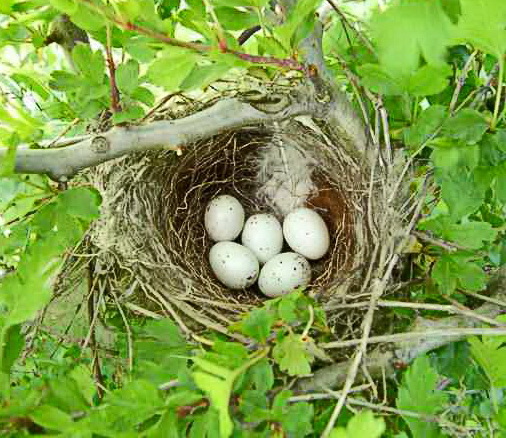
<point>150,248</point>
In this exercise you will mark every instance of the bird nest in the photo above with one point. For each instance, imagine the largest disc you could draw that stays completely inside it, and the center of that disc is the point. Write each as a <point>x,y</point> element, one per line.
<point>149,250</point>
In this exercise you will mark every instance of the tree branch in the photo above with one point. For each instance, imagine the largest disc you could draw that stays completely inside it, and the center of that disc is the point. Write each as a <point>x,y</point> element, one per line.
<point>426,335</point>
<point>233,113</point>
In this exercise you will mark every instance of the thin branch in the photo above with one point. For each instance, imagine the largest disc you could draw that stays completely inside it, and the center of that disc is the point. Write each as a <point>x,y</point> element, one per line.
<point>457,333</point>
<point>271,60</point>
<point>461,81</point>
<point>347,22</point>
<point>448,246</point>
<point>115,105</point>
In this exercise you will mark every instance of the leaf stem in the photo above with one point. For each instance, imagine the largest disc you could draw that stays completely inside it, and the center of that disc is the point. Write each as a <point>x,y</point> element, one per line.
<point>115,105</point>
<point>252,361</point>
<point>498,96</point>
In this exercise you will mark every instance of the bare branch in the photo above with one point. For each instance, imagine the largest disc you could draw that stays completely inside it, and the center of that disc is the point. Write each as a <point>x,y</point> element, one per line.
<point>62,163</point>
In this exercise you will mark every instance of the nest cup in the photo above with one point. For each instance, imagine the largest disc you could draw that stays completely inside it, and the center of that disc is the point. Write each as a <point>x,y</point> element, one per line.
<point>150,249</point>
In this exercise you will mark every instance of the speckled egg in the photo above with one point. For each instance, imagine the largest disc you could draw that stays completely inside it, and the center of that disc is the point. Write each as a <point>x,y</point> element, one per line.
<point>306,233</point>
<point>263,234</point>
<point>284,273</point>
<point>234,265</point>
<point>224,218</point>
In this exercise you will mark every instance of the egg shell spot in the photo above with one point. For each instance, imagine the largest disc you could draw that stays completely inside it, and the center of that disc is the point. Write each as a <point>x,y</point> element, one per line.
<point>283,274</point>
<point>234,265</point>
<point>263,235</point>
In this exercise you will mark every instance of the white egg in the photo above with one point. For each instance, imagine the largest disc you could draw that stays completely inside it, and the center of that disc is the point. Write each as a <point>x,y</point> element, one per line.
<point>284,273</point>
<point>306,233</point>
<point>224,218</point>
<point>263,234</point>
<point>233,264</point>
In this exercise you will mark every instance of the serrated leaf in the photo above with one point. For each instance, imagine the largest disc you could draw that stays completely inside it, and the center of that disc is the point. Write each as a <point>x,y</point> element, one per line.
<point>90,64</point>
<point>362,425</point>
<point>87,19</point>
<point>408,31</point>
<point>130,113</point>
<point>170,70</point>
<point>457,270</point>
<point>144,96</point>
<point>236,19</point>
<point>262,375</point>
<point>66,6</point>
<point>52,418</point>
<point>470,235</point>
<point>291,355</point>
<point>297,420</point>
<point>13,343</point>
<point>490,353</point>
<point>429,80</point>
<point>377,79</point>
<point>418,393</point>
<point>467,126</point>
<point>219,391</point>
<point>257,324</point>
<point>425,126</point>
<point>127,76</point>
<point>481,23</point>
<point>81,202</point>
<point>202,77</point>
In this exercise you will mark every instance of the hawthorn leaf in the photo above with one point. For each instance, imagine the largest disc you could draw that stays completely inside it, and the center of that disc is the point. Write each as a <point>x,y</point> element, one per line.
<point>66,6</point>
<point>408,31</point>
<point>236,19</point>
<point>90,64</point>
<point>203,76</point>
<point>127,76</point>
<point>458,270</point>
<point>52,418</point>
<point>377,79</point>
<point>262,375</point>
<point>362,425</point>
<point>470,235</point>
<point>419,393</point>
<point>170,70</point>
<point>81,202</point>
<point>291,355</point>
<point>129,113</point>
<point>257,324</point>
<point>144,96</point>
<point>429,80</point>
<point>468,126</point>
<point>481,23</point>
<point>490,353</point>
<point>13,343</point>
<point>425,126</point>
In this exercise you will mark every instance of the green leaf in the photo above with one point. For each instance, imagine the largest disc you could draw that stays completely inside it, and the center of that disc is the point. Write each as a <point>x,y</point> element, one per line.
<point>172,68</point>
<point>52,418</point>
<point>86,18</point>
<point>66,6</point>
<point>90,64</point>
<point>203,76</point>
<point>467,126</point>
<point>425,126</point>
<point>143,95</point>
<point>132,112</point>
<point>408,31</point>
<point>81,202</point>
<point>133,404</point>
<point>140,48</point>
<point>291,355</point>
<point>257,324</point>
<point>490,353</point>
<point>297,420</point>
<point>13,343</point>
<point>378,80</point>
<point>463,191</point>
<point>362,425</point>
<point>262,375</point>
<point>429,80</point>
<point>470,235</point>
<point>127,76</point>
<point>482,24</point>
<point>457,270</point>
<point>236,19</point>
<point>219,391</point>
<point>418,393</point>
<point>82,376</point>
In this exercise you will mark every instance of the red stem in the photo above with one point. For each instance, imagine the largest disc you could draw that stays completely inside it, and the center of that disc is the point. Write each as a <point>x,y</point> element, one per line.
<point>115,105</point>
